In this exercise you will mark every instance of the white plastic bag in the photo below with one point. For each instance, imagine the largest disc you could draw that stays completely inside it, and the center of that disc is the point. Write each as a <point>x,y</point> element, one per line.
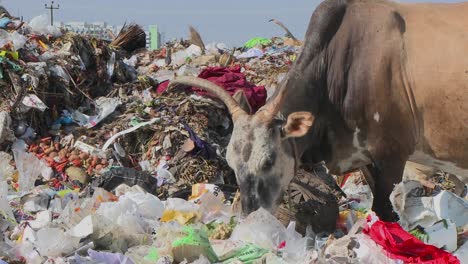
<point>149,206</point>
<point>105,106</point>
<point>414,208</point>
<point>5,207</point>
<point>6,170</point>
<point>251,53</point>
<point>179,57</point>
<point>188,70</point>
<point>132,61</point>
<point>32,101</point>
<point>29,166</point>
<point>260,228</point>
<point>53,242</point>
<point>15,38</point>
<point>18,40</point>
<point>193,51</point>
<point>41,25</point>
<point>6,133</point>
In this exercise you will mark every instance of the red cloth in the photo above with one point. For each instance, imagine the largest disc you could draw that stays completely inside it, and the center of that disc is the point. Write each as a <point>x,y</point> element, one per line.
<point>400,244</point>
<point>231,79</point>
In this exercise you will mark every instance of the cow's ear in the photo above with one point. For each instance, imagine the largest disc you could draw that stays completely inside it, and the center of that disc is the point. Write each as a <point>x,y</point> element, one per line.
<point>241,98</point>
<point>298,124</point>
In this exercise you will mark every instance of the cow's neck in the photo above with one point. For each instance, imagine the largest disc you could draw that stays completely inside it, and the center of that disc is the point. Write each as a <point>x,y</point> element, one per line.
<point>306,91</point>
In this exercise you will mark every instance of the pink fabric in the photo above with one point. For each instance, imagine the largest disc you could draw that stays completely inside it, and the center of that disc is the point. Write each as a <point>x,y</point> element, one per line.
<point>231,79</point>
<point>400,244</point>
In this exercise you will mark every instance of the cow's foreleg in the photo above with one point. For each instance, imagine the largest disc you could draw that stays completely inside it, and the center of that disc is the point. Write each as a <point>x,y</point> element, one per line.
<point>386,174</point>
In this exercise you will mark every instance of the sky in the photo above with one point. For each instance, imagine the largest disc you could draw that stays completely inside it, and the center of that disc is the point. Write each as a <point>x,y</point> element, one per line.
<point>231,22</point>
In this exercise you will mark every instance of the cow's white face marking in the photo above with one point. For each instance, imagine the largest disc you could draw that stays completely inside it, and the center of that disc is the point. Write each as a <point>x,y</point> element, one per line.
<point>263,163</point>
<point>446,166</point>
<point>377,117</point>
<point>357,158</point>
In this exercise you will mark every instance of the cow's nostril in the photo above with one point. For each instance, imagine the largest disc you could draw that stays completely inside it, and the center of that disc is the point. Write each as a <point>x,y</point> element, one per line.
<point>263,191</point>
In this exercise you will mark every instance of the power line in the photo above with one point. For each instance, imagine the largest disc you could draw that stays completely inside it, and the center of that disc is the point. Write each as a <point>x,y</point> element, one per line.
<point>52,8</point>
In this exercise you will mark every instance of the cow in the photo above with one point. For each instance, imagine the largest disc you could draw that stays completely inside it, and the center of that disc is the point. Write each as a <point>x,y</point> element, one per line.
<point>376,83</point>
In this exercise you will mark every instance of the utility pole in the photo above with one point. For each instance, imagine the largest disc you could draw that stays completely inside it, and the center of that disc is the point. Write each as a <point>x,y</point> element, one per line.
<point>52,8</point>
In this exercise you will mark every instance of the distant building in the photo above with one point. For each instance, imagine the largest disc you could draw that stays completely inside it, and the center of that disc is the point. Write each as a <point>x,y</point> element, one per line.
<point>96,29</point>
<point>103,31</point>
<point>153,38</point>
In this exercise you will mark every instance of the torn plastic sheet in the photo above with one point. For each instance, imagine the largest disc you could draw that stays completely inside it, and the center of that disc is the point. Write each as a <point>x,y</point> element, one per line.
<point>32,101</point>
<point>105,106</point>
<point>109,258</point>
<point>29,166</point>
<point>111,65</point>
<point>6,170</point>
<point>58,71</point>
<point>5,209</point>
<point>414,207</point>
<point>251,53</point>
<point>6,133</point>
<point>126,131</point>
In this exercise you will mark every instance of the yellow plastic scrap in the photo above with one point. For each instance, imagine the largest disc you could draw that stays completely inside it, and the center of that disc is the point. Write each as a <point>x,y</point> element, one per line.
<point>11,54</point>
<point>181,217</point>
<point>43,45</point>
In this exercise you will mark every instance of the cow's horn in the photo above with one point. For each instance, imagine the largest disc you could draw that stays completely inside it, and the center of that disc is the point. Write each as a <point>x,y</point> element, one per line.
<point>268,112</point>
<point>214,89</point>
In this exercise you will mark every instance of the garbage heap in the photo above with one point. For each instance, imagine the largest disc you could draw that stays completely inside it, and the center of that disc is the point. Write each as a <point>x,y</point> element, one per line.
<point>101,163</point>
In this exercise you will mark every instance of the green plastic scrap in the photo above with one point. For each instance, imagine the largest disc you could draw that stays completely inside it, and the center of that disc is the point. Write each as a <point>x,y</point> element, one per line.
<point>197,238</point>
<point>419,233</point>
<point>14,66</point>
<point>246,254</point>
<point>152,255</point>
<point>257,41</point>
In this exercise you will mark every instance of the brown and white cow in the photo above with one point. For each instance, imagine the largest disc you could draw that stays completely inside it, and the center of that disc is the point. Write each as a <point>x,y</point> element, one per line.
<point>376,84</point>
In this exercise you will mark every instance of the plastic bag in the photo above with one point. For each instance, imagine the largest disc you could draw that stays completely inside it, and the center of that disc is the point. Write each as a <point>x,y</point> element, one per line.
<point>27,251</point>
<point>415,208</point>
<point>369,252</point>
<point>54,242</point>
<point>179,58</point>
<point>111,65</point>
<point>18,40</point>
<point>213,208</point>
<point>260,228</point>
<point>6,170</point>
<point>105,106</point>
<point>192,245</point>
<point>6,133</point>
<point>5,209</point>
<point>132,61</point>
<point>246,253</point>
<point>188,70</point>
<point>149,206</point>
<point>462,253</point>
<point>143,254</point>
<point>58,71</point>
<point>29,166</point>
<point>215,48</point>
<point>83,228</point>
<point>40,25</point>
<point>32,101</point>
<point>14,38</point>
<point>294,247</point>
<point>109,258</point>
<point>193,51</point>
<point>251,53</point>
<point>257,41</point>
<point>43,219</point>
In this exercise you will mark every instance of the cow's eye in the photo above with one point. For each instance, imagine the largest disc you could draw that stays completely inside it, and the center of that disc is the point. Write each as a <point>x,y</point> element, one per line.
<point>267,164</point>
